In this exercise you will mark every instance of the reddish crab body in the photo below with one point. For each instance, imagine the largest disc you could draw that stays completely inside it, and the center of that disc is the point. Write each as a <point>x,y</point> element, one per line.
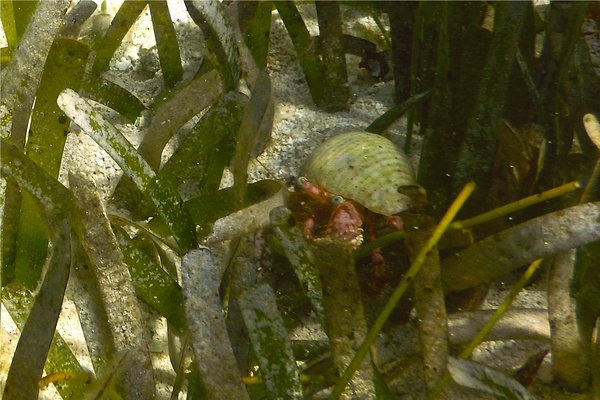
<point>358,175</point>
<point>345,222</point>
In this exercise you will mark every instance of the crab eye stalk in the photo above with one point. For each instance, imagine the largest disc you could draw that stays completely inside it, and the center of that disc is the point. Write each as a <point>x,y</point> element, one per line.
<point>337,200</point>
<point>301,181</point>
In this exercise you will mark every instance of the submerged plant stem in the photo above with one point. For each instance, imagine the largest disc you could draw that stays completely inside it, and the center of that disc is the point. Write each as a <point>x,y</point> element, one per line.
<point>390,238</point>
<point>516,205</point>
<point>468,350</point>
<point>505,251</point>
<point>401,289</point>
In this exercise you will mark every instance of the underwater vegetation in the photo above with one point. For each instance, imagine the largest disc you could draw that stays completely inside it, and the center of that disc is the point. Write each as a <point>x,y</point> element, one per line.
<point>505,98</point>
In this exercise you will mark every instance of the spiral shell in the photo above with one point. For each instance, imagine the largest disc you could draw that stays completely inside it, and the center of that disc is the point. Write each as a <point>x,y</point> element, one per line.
<point>363,167</point>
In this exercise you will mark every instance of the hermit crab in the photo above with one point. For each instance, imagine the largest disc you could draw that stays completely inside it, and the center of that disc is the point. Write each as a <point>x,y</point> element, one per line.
<point>355,171</point>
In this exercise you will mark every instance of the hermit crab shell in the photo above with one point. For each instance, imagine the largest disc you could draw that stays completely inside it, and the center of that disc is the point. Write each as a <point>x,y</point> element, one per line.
<point>363,167</point>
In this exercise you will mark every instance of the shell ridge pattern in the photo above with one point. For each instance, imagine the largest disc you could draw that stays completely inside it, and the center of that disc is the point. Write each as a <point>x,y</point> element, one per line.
<point>363,167</point>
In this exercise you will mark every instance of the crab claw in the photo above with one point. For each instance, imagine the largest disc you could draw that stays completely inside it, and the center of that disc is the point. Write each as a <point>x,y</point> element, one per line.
<point>345,224</point>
